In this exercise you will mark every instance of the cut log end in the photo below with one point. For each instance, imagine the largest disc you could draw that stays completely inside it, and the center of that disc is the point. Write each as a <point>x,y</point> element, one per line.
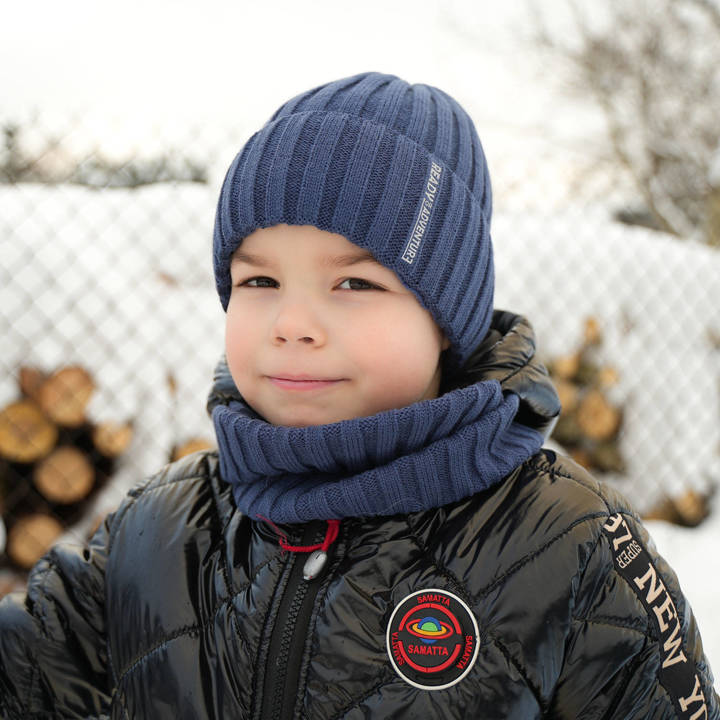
<point>566,367</point>
<point>31,537</point>
<point>597,418</point>
<point>65,476</point>
<point>112,439</point>
<point>26,435</point>
<point>65,394</point>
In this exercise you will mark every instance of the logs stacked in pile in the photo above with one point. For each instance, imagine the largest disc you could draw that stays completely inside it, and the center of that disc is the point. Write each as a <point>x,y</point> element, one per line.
<point>590,424</point>
<point>688,509</point>
<point>52,460</point>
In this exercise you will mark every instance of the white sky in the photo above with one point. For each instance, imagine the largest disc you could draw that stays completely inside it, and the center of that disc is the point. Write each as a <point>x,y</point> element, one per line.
<point>166,63</point>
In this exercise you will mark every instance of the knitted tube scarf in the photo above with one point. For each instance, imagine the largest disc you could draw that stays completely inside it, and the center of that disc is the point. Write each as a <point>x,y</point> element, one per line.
<point>418,457</point>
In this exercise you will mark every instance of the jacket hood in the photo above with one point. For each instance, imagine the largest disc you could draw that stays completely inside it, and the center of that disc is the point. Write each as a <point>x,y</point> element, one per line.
<point>507,354</point>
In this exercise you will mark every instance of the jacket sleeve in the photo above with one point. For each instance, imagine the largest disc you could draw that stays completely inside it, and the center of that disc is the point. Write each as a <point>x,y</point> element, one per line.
<point>634,650</point>
<point>53,658</point>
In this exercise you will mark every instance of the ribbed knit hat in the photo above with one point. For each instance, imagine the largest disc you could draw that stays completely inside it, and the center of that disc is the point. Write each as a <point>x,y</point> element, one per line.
<point>397,169</point>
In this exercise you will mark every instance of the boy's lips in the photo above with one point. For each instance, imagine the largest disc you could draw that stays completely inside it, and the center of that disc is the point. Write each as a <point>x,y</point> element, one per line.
<point>302,382</point>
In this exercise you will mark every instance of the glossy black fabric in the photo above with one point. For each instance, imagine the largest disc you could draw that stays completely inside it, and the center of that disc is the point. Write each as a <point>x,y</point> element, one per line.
<point>169,612</point>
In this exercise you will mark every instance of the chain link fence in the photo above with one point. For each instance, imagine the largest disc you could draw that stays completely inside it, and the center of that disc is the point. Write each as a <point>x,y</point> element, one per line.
<point>110,326</point>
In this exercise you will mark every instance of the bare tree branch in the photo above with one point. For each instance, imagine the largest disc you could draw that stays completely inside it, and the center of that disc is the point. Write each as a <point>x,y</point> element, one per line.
<point>711,8</point>
<point>653,69</point>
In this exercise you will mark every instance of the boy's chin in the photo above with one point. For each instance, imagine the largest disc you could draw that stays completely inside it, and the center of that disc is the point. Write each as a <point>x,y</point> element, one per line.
<point>301,417</point>
<point>308,421</point>
<point>311,417</point>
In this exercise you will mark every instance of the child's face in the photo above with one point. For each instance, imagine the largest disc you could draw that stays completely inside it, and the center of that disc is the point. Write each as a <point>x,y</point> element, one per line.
<point>318,332</point>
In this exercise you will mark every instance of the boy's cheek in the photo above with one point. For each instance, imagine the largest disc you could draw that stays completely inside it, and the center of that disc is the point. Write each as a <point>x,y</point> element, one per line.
<point>237,341</point>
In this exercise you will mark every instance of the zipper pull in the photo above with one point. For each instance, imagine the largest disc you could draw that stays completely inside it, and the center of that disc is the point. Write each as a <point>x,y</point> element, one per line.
<point>314,564</point>
<point>318,553</point>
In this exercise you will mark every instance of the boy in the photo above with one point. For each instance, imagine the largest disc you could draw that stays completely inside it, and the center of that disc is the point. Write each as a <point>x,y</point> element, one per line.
<point>380,533</point>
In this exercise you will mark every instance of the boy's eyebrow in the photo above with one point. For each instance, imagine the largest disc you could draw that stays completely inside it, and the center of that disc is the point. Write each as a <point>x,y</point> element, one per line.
<point>350,259</point>
<point>247,258</point>
<point>327,261</point>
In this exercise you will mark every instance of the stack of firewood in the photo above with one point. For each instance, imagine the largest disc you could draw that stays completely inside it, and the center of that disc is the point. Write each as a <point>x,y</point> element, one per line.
<point>590,424</point>
<point>688,509</point>
<point>52,460</point>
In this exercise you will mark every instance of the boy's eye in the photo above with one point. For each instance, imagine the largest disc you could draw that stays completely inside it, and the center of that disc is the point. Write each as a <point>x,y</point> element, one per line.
<point>357,284</point>
<point>259,282</point>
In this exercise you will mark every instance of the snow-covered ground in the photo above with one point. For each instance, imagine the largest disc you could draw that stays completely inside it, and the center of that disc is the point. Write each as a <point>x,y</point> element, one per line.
<point>139,77</point>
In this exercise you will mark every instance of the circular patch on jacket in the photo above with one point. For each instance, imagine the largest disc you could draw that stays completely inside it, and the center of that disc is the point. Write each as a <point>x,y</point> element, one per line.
<point>432,639</point>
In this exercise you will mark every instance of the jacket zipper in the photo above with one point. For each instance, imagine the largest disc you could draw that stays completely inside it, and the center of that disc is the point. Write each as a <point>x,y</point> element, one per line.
<point>287,641</point>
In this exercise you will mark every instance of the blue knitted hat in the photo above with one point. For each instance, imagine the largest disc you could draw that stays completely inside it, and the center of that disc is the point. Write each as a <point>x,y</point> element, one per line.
<point>397,169</point>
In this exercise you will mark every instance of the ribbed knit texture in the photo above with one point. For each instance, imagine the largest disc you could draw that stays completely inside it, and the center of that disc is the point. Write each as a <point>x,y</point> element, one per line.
<point>415,458</point>
<point>397,169</point>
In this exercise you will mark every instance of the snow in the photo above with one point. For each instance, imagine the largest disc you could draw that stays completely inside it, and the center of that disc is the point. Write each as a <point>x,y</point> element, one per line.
<point>652,329</point>
<point>135,80</point>
<point>690,552</point>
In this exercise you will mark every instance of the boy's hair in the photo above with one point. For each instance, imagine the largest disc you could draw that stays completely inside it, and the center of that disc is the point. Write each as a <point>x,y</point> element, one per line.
<point>397,169</point>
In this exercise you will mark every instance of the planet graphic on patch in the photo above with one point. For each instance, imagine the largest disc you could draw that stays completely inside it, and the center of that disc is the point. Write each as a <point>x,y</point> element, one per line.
<point>432,639</point>
<point>429,630</point>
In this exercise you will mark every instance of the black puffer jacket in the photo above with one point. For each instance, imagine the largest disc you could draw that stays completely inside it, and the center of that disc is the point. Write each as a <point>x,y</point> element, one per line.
<point>540,598</point>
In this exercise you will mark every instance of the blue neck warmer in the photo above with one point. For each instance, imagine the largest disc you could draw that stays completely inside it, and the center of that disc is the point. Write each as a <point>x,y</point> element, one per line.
<point>414,458</point>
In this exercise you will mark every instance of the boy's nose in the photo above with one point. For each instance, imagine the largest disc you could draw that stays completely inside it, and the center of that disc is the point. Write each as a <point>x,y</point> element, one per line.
<point>297,324</point>
<point>304,339</point>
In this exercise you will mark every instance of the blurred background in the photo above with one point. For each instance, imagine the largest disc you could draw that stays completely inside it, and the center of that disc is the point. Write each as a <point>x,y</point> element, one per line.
<point>600,124</point>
